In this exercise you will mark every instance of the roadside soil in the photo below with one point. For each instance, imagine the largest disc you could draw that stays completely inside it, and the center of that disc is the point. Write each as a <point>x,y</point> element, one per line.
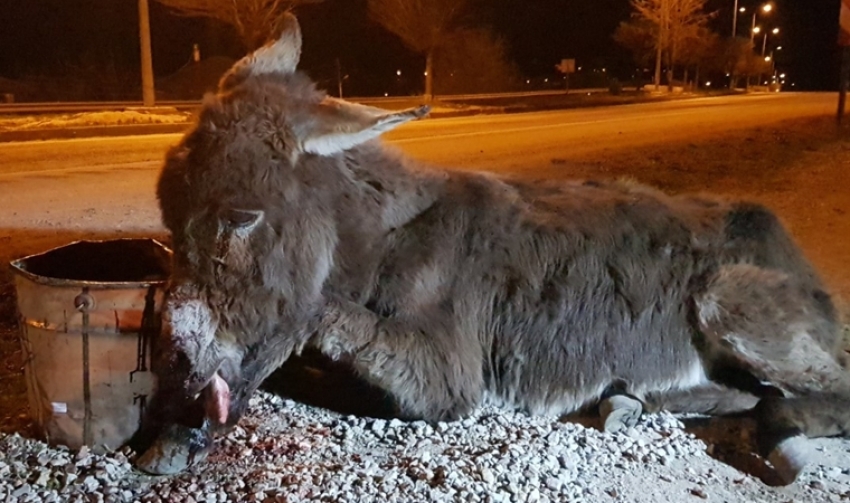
<point>800,169</point>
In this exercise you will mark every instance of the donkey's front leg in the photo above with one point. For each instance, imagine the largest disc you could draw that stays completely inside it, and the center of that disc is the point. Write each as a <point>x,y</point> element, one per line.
<point>433,372</point>
<point>344,328</point>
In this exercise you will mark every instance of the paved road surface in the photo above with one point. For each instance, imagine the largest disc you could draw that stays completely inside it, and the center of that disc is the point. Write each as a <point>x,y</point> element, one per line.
<point>108,183</point>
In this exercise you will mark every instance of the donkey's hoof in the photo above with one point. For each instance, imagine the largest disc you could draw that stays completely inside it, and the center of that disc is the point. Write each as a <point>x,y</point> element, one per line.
<point>789,458</point>
<point>620,412</point>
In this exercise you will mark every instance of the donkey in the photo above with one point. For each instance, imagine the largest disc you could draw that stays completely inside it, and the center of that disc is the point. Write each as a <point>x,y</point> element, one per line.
<point>293,227</point>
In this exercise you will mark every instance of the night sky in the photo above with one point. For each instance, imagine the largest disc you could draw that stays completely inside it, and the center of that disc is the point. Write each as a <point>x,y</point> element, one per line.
<point>40,37</point>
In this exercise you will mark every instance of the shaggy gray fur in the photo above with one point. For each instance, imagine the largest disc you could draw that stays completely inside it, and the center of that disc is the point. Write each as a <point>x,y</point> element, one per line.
<point>292,227</point>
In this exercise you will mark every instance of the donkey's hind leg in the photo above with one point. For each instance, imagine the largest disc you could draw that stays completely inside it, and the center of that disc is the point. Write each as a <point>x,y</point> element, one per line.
<point>763,322</point>
<point>786,423</point>
<point>619,412</point>
<point>710,399</point>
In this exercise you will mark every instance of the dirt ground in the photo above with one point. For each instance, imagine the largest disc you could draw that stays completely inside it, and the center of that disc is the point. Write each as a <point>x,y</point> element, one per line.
<point>800,169</point>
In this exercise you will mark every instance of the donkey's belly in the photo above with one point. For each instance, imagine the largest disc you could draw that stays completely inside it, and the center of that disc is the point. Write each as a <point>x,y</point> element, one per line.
<point>577,386</point>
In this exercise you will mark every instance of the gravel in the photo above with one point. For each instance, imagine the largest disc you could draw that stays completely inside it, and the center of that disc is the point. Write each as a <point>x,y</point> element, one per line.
<point>287,451</point>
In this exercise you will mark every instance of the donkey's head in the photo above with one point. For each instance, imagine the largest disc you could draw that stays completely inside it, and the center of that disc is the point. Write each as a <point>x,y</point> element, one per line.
<point>248,196</point>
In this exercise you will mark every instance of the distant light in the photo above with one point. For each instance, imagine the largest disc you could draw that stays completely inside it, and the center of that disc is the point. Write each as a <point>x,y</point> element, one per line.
<point>775,31</point>
<point>386,94</point>
<point>742,9</point>
<point>793,84</point>
<point>757,29</point>
<point>588,94</point>
<point>528,81</point>
<point>398,72</point>
<point>781,75</point>
<point>783,82</point>
<point>727,75</point>
<point>425,73</point>
<point>579,68</point>
<point>604,70</point>
<point>708,84</point>
<point>779,48</point>
<point>545,80</point>
<point>767,58</point>
<point>767,8</point>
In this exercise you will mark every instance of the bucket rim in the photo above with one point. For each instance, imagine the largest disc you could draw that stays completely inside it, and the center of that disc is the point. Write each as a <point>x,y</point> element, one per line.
<point>17,268</point>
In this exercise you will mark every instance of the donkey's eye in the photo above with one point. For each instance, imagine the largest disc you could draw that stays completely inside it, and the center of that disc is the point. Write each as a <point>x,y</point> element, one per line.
<point>241,219</point>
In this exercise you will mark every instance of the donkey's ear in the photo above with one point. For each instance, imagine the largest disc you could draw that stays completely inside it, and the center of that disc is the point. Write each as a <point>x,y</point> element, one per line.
<point>278,56</point>
<point>339,125</point>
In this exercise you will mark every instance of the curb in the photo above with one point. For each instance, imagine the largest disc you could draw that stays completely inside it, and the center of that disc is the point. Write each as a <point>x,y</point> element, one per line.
<point>144,129</point>
<point>91,132</point>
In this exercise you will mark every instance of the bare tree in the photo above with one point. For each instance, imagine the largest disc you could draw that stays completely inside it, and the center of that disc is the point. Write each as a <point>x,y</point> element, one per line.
<point>675,22</point>
<point>422,25</point>
<point>735,58</point>
<point>639,37</point>
<point>478,61</point>
<point>255,21</point>
<point>698,51</point>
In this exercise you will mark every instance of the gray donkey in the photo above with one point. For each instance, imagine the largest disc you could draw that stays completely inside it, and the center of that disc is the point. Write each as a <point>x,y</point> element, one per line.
<point>292,228</point>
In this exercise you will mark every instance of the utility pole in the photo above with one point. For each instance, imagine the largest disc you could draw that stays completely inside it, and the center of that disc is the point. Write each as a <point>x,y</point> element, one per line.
<point>735,21</point>
<point>732,76</point>
<point>844,42</point>
<point>147,60</point>
<point>845,80</point>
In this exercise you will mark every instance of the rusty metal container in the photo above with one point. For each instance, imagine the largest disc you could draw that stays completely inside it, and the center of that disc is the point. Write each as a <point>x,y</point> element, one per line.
<point>89,312</point>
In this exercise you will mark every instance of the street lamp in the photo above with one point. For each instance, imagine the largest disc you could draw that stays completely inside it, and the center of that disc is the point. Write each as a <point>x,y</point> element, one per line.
<point>766,9</point>
<point>735,12</point>
<point>764,44</point>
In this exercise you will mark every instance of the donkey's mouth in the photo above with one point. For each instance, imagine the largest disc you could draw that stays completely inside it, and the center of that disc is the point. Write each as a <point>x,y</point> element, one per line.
<point>180,446</point>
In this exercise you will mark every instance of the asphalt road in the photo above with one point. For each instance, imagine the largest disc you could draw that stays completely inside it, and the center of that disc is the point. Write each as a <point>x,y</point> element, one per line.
<point>99,183</point>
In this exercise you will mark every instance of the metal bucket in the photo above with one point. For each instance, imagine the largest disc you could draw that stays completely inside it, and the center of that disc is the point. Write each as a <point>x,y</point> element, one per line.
<point>89,312</point>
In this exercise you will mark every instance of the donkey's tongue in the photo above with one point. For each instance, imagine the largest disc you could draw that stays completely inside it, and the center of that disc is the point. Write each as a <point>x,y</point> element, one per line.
<point>217,400</point>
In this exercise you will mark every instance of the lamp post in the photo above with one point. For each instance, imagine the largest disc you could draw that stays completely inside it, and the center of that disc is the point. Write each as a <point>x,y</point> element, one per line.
<point>766,8</point>
<point>732,77</point>
<point>764,44</point>
<point>147,64</point>
<point>735,18</point>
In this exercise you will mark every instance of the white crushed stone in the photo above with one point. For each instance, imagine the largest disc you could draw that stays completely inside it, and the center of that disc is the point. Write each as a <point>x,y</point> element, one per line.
<point>287,451</point>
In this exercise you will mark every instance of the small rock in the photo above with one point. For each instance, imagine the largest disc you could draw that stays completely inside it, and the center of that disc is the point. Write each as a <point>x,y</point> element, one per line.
<point>91,483</point>
<point>700,493</point>
<point>487,475</point>
<point>82,454</point>
<point>43,478</point>
<point>378,427</point>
